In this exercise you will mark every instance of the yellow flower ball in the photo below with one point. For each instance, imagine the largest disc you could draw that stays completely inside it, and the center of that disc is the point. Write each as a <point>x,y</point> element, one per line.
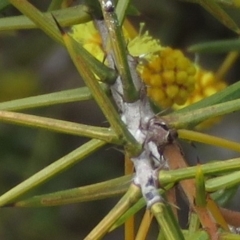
<point>206,84</point>
<point>170,72</point>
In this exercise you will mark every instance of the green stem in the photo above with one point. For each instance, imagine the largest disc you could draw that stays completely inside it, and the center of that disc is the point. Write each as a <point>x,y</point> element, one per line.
<point>197,235</point>
<point>219,13</point>
<point>135,208</point>
<point>121,10</point>
<point>50,171</point>
<point>171,176</point>
<point>130,197</point>
<point>208,139</point>
<point>66,17</point>
<point>223,46</point>
<point>167,221</point>
<point>194,117</point>
<point>107,189</point>
<point>45,23</point>
<point>232,92</point>
<point>61,126</point>
<point>55,4</point>
<point>224,196</point>
<point>66,96</point>
<point>119,48</point>
<point>223,182</point>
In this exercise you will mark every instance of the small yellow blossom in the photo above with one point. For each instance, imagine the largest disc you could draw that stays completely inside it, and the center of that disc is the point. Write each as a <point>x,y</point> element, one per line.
<point>171,74</point>
<point>143,44</point>
<point>89,37</point>
<point>206,84</point>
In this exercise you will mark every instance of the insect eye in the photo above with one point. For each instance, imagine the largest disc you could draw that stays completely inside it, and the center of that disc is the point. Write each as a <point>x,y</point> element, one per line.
<point>162,125</point>
<point>172,135</point>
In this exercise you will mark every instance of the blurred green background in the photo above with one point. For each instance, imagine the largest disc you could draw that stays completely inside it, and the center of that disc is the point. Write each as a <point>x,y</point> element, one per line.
<point>32,64</point>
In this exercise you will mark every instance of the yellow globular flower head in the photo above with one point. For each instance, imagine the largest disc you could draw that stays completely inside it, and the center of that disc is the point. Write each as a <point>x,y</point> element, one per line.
<point>169,77</point>
<point>206,84</point>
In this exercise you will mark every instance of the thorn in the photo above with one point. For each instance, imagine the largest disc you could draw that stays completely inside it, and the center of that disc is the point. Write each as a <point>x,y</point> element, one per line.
<point>116,149</point>
<point>104,57</point>
<point>58,25</point>
<point>162,112</point>
<point>174,205</point>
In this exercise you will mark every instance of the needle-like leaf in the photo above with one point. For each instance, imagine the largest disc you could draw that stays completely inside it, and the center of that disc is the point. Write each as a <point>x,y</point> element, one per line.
<point>192,118</point>
<point>232,92</point>
<point>167,221</point>
<point>213,7</point>
<point>216,167</point>
<point>66,96</point>
<point>55,4</point>
<point>66,17</point>
<point>119,48</point>
<point>208,139</point>
<point>131,196</point>
<point>216,46</point>
<point>61,126</point>
<point>107,189</point>
<point>223,182</point>
<point>223,196</point>
<point>51,171</point>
